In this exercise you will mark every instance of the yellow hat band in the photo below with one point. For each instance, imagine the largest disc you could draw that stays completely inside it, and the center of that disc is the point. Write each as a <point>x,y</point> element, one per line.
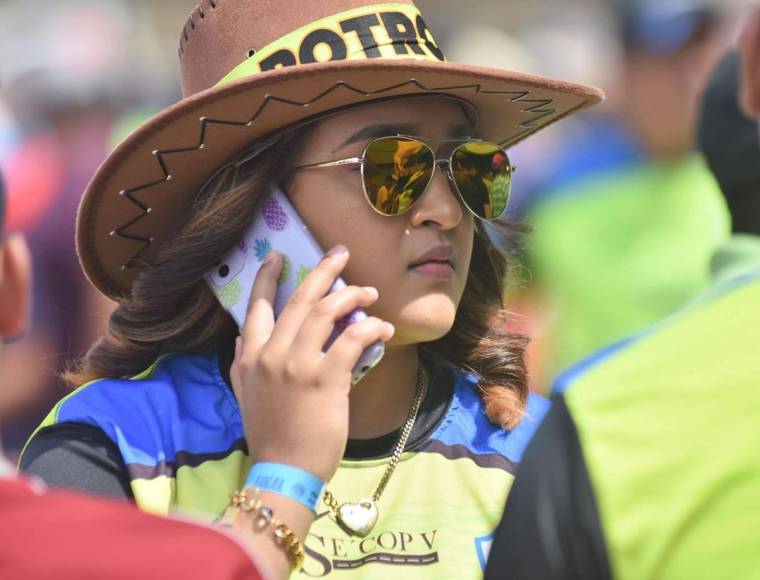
<point>390,31</point>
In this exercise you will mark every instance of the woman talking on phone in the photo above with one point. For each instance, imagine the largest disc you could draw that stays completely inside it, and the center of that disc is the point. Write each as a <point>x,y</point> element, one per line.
<point>395,160</point>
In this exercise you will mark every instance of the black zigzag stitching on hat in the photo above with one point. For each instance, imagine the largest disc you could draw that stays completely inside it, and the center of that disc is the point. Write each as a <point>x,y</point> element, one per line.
<point>537,107</point>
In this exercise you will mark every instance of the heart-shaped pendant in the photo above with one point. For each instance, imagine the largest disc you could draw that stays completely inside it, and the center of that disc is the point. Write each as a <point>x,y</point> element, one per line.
<point>358,517</point>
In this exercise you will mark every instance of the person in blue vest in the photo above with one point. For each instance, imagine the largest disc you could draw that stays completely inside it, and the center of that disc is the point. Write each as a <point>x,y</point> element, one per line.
<point>647,466</point>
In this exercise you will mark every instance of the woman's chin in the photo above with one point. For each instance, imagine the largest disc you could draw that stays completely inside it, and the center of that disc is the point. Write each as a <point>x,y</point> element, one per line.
<point>424,319</point>
<point>421,327</point>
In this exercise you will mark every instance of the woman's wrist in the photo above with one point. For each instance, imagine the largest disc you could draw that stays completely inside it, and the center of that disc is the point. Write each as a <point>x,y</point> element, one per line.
<point>289,481</point>
<point>274,527</point>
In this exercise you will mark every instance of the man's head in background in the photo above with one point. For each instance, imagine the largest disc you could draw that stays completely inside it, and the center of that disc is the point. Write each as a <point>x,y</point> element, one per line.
<point>15,279</point>
<point>749,47</point>
<point>730,141</point>
<point>669,49</point>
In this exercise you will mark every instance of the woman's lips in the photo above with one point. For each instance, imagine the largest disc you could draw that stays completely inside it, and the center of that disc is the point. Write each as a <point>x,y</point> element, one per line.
<point>437,262</point>
<point>434,269</point>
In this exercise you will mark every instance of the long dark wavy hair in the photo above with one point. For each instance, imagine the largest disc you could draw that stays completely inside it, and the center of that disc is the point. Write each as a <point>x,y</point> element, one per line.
<point>172,310</point>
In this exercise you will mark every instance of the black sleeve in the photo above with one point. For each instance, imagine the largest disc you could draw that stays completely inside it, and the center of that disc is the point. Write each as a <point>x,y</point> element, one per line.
<point>551,528</point>
<point>77,457</point>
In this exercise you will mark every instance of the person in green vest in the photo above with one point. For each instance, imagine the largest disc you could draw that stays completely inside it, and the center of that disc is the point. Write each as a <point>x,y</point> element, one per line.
<point>618,249</point>
<point>647,465</point>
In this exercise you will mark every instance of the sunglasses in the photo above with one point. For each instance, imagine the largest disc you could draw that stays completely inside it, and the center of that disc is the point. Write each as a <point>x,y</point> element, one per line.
<point>396,172</point>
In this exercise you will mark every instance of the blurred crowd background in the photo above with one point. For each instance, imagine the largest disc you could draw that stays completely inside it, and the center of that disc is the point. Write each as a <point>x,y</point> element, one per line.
<point>625,215</point>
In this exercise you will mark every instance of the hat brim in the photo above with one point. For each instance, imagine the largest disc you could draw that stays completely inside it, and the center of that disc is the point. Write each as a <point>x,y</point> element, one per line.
<point>140,194</point>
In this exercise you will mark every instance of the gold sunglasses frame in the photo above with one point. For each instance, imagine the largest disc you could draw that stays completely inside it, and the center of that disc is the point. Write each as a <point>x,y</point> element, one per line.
<point>444,164</point>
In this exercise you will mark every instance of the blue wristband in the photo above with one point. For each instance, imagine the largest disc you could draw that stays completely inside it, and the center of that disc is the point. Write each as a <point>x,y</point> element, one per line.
<point>292,482</point>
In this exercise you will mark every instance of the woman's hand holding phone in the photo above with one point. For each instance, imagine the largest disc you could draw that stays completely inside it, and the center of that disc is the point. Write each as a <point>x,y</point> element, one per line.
<point>294,398</point>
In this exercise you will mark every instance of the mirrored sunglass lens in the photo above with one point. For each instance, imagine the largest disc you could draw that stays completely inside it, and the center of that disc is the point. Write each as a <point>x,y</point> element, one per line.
<point>483,175</point>
<point>396,173</point>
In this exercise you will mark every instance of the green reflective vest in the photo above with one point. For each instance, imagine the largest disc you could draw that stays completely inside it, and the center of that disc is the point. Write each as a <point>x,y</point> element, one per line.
<point>669,424</point>
<point>620,251</point>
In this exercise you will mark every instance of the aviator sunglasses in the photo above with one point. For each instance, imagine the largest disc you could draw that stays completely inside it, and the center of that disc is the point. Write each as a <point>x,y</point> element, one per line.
<point>396,172</point>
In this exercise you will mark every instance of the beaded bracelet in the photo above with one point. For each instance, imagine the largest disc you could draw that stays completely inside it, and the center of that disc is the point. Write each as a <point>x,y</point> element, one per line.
<point>249,501</point>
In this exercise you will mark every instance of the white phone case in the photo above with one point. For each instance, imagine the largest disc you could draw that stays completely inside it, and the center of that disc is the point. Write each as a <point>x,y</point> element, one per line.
<point>278,227</point>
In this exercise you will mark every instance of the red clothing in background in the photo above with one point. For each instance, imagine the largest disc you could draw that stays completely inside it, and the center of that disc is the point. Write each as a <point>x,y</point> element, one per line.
<point>73,537</point>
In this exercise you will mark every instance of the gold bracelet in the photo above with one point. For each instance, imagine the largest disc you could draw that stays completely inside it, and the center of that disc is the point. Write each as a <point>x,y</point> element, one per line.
<point>249,501</point>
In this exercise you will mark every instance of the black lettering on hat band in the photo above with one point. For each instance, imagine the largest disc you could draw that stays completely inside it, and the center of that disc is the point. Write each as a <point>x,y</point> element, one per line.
<point>362,26</point>
<point>377,31</point>
<point>427,36</point>
<point>338,48</point>
<point>279,59</point>
<point>402,33</point>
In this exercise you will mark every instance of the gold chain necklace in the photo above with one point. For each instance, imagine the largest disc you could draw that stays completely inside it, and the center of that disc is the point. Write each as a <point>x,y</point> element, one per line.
<point>359,517</point>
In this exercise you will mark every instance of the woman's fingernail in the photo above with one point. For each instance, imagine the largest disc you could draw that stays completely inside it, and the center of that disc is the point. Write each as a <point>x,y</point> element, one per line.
<point>371,291</point>
<point>338,250</point>
<point>390,328</point>
<point>271,257</point>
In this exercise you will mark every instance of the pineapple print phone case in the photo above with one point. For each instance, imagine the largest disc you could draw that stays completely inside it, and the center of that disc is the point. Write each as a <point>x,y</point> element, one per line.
<point>278,227</point>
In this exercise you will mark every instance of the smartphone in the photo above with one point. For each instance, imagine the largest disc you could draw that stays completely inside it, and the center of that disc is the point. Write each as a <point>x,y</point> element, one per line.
<point>279,227</point>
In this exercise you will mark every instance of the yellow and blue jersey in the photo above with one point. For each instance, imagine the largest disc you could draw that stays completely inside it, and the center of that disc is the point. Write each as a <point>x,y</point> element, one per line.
<point>179,431</point>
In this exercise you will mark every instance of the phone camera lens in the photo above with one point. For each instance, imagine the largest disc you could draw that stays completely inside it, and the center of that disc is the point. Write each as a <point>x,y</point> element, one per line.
<point>224,271</point>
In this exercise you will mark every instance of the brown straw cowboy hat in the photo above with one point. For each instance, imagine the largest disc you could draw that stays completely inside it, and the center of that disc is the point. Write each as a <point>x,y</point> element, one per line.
<point>253,67</point>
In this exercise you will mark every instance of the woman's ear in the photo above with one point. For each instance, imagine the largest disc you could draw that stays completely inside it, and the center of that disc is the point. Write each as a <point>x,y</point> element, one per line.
<point>15,286</point>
